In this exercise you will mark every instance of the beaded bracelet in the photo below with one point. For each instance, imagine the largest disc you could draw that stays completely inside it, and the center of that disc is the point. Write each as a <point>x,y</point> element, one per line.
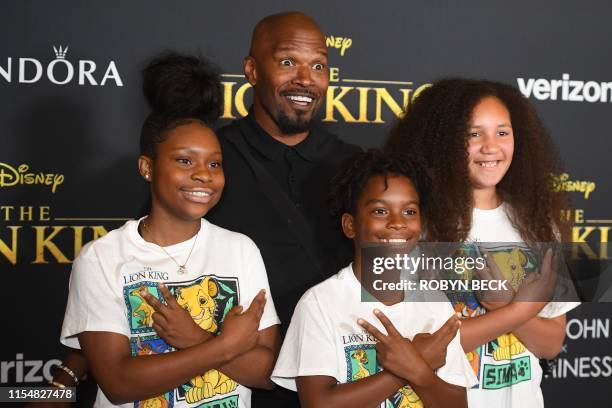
<point>57,384</point>
<point>69,372</point>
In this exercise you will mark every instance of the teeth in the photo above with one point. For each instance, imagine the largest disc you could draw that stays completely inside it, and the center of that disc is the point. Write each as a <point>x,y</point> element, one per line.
<point>298,98</point>
<point>488,164</point>
<point>199,193</point>
<point>394,240</point>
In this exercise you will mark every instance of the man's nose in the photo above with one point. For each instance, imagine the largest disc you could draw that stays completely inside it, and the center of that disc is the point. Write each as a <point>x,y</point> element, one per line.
<point>303,76</point>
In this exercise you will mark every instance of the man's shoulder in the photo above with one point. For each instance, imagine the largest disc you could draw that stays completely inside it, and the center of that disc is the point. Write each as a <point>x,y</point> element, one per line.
<point>335,144</point>
<point>227,134</point>
<point>229,128</point>
<point>231,137</point>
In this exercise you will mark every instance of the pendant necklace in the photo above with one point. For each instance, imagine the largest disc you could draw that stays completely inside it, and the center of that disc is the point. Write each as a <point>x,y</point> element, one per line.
<point>182,269</point>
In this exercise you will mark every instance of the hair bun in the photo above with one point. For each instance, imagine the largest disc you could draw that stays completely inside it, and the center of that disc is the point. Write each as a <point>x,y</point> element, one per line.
<point>180,85</point>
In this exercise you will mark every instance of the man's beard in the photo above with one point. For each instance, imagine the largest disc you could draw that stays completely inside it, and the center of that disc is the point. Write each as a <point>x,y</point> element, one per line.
<point>300,123</point>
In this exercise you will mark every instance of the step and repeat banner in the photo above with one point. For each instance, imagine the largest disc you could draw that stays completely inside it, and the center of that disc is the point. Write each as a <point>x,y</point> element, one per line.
<point>71,110</point>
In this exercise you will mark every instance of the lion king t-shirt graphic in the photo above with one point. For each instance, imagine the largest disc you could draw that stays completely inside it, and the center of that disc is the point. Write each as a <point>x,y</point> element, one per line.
<point>509,374</point>
<point>361,363</point>
<point>208,299</point>
<point>504,361</point>
<point>110,275</point>
<point>324,338</point>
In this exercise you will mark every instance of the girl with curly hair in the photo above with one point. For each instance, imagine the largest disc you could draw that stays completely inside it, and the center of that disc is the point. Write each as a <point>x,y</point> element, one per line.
<point>491,161</point>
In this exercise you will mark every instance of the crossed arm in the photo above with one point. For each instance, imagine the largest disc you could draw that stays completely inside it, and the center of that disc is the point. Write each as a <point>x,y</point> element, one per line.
<point>405,363</point>
<point>124,378</point>
<point>518,314</point>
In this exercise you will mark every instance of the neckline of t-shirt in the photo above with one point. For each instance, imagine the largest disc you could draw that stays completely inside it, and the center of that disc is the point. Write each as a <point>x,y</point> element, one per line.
<point>356,285</point>
<point>493,214</point>
<point>171,249</point>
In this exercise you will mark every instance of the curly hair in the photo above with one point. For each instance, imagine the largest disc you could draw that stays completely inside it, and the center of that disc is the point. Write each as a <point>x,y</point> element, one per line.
<point>180,89</point>
<point>348,183</point>
<point>436,129</point>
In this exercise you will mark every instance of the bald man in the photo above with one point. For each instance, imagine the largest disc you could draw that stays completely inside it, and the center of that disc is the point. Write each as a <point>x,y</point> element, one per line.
<point>278,164</point>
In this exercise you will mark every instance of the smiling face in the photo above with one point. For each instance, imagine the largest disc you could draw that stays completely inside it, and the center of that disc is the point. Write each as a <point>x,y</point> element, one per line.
<point>385,215</point>
<point>490,143</point>
<point>186,174</point>
<point>288,69</point>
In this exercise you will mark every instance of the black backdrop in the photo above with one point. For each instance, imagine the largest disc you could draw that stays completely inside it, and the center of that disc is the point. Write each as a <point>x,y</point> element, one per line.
<point>71,119</point>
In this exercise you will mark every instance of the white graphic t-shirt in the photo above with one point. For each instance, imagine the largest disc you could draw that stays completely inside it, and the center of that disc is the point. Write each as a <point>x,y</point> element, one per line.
<point>509,374</point>
<point>224,270</point>
<point>325,339</point>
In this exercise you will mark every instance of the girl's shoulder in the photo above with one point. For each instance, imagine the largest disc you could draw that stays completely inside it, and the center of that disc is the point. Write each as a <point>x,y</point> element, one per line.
<point>231,240</point>
<point>111,242</point>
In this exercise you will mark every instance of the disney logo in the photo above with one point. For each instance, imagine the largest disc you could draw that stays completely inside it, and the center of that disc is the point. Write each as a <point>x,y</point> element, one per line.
<point>10,176</point>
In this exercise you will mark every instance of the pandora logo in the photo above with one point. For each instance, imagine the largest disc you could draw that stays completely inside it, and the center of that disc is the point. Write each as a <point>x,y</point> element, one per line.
<point>60,71</point>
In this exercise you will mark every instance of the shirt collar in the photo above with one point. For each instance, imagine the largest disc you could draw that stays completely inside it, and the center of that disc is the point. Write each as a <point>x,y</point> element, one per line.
<point>274,150</point>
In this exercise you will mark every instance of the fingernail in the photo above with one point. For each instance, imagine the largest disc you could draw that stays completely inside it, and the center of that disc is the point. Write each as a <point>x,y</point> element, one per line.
<point>458,314</point>
<point>360,321</point>
<point>376,311</point>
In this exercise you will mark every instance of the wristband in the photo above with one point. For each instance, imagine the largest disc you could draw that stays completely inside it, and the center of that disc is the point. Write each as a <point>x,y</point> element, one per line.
<point>70,373</point>
<point>57,384</point>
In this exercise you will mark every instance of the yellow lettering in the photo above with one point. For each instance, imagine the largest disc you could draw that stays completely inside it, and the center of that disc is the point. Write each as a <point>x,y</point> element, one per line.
<point>227,100</point>
<point>346,44</point>
<point>578,236</point>
<point>10,253</point>
<point>43,242</point>
<point>579,216</point>
<point>25,212</point>
<point>590,187</point>
<point>242,110</point>
<point>418,91</point>
<point>57,180</point>
<point>603,240</point>
<point>383,95</point>
<point>44,213</point>
<point>7,211</point>
<point>334,74</point>
<point>335,102</point>
<point>603,234</point>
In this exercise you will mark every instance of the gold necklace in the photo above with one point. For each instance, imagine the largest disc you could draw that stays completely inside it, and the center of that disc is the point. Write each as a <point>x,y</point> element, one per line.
<point>182,269</point>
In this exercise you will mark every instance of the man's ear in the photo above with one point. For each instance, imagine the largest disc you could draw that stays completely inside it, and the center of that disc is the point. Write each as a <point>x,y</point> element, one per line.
<point>348,226</point>
<point>145,167</point>
<point>249,66</point>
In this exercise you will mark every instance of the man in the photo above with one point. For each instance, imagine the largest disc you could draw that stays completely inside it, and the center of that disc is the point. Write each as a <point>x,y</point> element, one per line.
<point>277,168</point>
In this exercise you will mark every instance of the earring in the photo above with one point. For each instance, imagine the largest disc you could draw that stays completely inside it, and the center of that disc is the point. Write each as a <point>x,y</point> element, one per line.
<point>147,176</point>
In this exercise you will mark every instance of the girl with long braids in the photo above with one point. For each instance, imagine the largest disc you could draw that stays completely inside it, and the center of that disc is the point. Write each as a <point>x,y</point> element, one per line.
<point>491,161</point>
